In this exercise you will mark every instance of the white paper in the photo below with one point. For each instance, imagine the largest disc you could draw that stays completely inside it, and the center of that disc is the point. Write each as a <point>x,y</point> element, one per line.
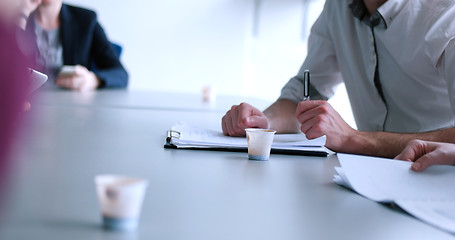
<point>427,195</point>
<point>340,178</point>
<point>197,137</point>
<point>440,214</point>
<point>386,180</point>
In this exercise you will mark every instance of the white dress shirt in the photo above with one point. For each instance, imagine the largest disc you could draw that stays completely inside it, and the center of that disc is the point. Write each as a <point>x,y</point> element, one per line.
<point>415,46</point>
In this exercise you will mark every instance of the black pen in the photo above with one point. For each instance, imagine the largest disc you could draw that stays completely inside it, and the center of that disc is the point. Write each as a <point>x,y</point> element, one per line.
<point>306,85</point>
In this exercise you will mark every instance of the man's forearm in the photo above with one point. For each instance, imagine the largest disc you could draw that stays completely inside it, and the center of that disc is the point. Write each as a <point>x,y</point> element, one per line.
<point>281,116</point>
<point>386,144</point>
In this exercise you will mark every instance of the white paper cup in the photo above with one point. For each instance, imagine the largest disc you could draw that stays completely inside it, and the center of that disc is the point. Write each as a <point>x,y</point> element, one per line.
<point>209,94</point>
<point>120,200</point>
<point>259,143</point>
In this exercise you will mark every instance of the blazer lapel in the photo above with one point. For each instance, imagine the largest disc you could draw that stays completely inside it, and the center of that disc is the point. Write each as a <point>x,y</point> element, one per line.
<point>67,29</point>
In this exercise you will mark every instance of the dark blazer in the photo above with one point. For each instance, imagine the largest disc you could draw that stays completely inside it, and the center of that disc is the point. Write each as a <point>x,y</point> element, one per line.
<point>84,42</point>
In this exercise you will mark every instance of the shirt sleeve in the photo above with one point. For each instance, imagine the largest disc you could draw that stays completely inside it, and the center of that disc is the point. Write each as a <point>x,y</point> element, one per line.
<point>108,67</point>
<point>321,61</point>
<point>448,69</point>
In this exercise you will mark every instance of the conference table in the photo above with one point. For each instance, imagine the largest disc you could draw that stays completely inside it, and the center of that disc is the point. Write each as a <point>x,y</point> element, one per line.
<point>191,194</point>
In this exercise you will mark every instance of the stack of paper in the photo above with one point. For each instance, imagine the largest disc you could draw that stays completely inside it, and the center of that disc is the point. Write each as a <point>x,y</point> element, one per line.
<point>428,195</point>
<point>186,136</point>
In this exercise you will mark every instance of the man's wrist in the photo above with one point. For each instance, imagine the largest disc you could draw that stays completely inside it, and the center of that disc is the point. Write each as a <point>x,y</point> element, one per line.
<point>380,144</point>
<point>359,142</point>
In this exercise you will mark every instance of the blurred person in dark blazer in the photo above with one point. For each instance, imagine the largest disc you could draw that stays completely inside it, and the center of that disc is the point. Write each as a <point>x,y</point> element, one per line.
<point>68,35</point>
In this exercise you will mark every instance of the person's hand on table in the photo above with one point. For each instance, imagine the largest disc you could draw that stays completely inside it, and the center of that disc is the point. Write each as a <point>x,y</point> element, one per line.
<point>81,80</point>
<point>425,154</point>
<point>243,116</point>
<point>318,118</point>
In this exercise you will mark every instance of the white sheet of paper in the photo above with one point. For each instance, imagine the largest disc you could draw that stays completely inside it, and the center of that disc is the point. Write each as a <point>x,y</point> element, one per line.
<point>438,213</point>
<point>340,178</point>
<point>427,195</point>
<point>386,180</point>
<point>193,136</point>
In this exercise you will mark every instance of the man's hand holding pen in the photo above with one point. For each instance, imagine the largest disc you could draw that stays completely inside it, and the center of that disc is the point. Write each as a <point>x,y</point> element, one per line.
<point>318,118</point>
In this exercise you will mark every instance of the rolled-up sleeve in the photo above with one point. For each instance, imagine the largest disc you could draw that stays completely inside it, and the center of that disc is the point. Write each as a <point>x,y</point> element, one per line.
<point>321,61</point>
<point>448,68</point>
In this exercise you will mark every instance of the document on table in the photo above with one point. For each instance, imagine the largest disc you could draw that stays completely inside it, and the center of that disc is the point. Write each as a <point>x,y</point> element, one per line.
<point>427,195</point>
<point>185,136</point>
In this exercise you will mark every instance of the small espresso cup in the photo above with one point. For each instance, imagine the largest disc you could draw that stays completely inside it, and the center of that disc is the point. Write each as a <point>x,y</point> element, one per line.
<point>120,200</point>
<point>259,143</point>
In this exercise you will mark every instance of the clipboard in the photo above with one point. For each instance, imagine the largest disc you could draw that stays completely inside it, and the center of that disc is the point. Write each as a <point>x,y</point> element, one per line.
<point>173,141</point>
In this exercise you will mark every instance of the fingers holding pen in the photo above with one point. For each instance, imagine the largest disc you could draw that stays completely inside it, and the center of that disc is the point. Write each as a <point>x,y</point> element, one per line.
<point>318,118</point>
<point>312,116</point>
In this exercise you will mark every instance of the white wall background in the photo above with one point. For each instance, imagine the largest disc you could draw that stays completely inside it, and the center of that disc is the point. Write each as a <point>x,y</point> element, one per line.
<point>243,47</point>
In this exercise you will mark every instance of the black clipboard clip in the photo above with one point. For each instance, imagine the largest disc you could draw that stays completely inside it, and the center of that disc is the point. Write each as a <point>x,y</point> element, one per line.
<point>172,134</point>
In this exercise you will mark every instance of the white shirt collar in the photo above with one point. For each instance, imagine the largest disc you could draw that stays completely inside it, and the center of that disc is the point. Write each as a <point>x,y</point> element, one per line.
<point>390,9</point>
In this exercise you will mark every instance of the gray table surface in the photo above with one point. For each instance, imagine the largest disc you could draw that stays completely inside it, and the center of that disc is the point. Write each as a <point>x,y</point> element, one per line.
<point>143,100</point>
<point>192,194</point>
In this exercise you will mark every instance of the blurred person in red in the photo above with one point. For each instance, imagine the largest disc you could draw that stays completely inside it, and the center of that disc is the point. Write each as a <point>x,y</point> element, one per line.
<point>14,81</point>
